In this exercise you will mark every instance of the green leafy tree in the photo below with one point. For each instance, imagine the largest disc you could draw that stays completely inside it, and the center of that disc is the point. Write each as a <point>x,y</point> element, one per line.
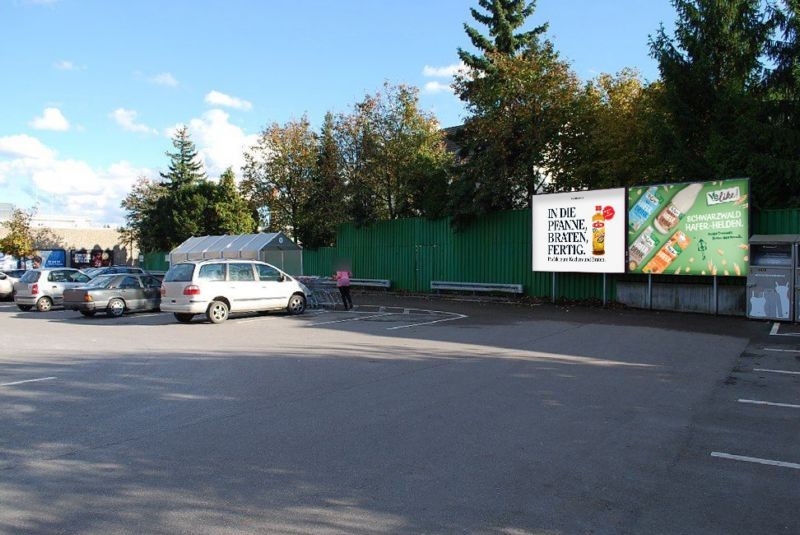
<point>609,140</point>
<point>279,171</point>
<point>392,154</point>
<point>141,214</point>
<point>325,208</point>
<point>21,239</point>
<point>511,142</point>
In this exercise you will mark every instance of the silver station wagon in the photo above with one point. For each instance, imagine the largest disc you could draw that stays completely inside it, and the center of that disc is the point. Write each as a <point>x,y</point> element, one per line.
<point>217,288</point>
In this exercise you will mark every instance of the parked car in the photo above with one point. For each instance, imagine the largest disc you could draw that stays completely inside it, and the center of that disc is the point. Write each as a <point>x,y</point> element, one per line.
<point>115,295</point>
<point>44,288</point>
<point>113,270</point>
<point>217,288</point>
<point>6,286</point>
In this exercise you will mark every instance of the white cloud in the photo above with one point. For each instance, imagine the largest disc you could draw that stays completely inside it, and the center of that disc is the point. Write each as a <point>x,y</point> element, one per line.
<point>64,65</point>
<point>437,87</point>
<point>127,120</point>
<point>220,144</point>
<point>24,146</point>
<point>51,119</point>
<point>447,71</point>
<point>166,79</point>
<point>215,98</point>
<point>66,186</point>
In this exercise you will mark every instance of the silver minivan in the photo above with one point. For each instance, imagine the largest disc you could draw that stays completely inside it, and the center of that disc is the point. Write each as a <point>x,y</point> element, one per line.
<point>44,288</point>
<point>219,287</point>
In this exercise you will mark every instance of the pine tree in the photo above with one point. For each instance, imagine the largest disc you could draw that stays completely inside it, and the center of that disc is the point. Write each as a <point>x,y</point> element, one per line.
<point>231,214</point>
<point>710,72</point>
<point>503,19</point>
<point>184,169</point>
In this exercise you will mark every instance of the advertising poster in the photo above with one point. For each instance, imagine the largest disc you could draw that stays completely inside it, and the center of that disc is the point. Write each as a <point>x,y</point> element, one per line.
<point>580,232</point>
<point>700,228</point>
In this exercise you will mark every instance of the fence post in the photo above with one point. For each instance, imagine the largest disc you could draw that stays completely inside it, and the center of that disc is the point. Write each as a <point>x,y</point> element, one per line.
<point>554,287</point>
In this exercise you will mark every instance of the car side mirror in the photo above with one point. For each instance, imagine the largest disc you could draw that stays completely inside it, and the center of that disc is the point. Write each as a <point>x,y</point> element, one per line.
<point>281,277</point>
<point>3,276</point>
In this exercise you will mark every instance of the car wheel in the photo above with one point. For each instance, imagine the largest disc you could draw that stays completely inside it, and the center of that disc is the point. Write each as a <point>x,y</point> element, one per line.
<point>183,318</point>
<point>44,304</point>
<point>116,308</point>
<point>297,305</point>
<point>25,308</point>
<point>217,312</point>
<point>88,313</point>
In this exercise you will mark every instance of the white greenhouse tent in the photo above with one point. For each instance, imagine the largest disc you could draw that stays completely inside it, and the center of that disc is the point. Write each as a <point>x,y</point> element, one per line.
<point>273,248</point>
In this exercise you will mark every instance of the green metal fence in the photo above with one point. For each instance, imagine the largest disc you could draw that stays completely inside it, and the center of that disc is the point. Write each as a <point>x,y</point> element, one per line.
<point>494,249</point>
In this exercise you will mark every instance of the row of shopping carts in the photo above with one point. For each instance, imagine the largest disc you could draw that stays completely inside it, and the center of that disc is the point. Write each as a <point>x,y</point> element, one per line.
<point>324,293</point>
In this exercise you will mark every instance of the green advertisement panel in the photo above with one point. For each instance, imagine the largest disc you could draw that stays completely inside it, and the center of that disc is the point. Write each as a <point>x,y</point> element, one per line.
<point>701,228</point>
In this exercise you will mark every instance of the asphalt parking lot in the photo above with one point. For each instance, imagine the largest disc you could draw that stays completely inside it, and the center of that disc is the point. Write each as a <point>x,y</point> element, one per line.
<point>403,416</point>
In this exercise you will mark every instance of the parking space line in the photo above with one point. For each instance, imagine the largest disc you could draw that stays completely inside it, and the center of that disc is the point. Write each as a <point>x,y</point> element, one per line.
<point>774,331</point>
<point>756,460</point>
<point>777,350</point>
<point>351,319</point>
<point>28,381</point>
<point>769,403</point>
<point>460,316</point>
<point>775,371</point>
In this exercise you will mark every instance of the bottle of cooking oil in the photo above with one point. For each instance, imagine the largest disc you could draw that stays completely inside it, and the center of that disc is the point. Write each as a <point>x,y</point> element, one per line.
<point>598,232</point>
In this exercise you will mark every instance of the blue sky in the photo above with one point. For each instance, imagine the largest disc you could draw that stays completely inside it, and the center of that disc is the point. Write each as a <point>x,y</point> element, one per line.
<point>91,89</point>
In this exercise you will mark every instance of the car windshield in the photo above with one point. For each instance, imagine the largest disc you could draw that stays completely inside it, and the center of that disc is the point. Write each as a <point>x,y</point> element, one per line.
<point>31,276</point>
<point>103,281</point>
<point>92,271</point>
<point>180,273</point>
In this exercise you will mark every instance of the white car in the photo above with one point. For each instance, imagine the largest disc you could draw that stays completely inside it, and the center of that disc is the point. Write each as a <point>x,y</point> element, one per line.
<point>220,287</point>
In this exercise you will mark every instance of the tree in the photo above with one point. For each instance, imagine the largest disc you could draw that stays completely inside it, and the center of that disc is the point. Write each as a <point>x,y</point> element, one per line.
<point>710,72</point>
<point>325,208</point>
<point>231,214</point>
<point>510,143</point>
<point>609,140</point>
<point>503,19</point>
<point>392,152</point>
<point>141,214</point>
<point>22,240</point>
<point>279,171</point>
<point>184,169</point>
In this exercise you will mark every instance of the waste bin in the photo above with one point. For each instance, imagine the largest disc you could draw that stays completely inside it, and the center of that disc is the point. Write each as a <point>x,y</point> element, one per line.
<point>771,279</point>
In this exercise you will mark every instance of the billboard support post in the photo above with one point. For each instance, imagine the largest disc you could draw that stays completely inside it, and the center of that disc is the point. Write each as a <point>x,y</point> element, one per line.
<point>604,289</point>
<point>554,287</point>
<point>650,291</point>
<point>715,296</point>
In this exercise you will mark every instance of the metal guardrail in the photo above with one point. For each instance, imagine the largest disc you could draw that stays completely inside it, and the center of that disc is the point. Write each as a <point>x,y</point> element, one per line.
<point>476,287</point>
<point>372,283</point>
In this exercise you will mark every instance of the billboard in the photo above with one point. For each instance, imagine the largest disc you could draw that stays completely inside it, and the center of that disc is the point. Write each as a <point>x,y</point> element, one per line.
<point>701,228</point>
<point>582,231</point>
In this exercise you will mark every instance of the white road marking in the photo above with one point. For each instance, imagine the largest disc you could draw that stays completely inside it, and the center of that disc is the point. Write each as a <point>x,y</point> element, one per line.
<point>775,371</point>
<point>756,460</point>
<point>782,350</point>
<point>770,403</point>
<point>774,331</point>
<point>351,319</point>
<point>460,316</point>
<point>27,381</point>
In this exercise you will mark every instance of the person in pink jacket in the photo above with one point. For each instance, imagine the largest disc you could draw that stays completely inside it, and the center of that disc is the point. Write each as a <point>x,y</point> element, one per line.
<point>343,283</point>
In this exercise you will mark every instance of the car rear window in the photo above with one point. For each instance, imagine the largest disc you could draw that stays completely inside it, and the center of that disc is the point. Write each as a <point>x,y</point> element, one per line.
<point>31,276</point>
<point>180,273</point>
